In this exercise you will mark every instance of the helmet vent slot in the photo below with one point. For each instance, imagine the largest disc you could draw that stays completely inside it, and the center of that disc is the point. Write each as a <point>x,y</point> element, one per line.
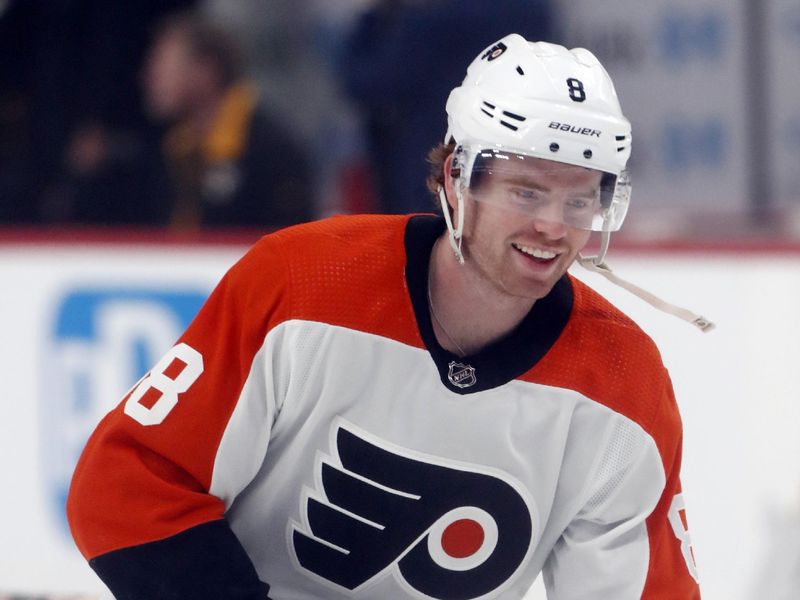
<point>520,71</point>
<point>621,148</point>
<point>619,138</point>
<point>492,106</point>
<point>509,125</point>
<point>513,116</point>
<point>487,113</point>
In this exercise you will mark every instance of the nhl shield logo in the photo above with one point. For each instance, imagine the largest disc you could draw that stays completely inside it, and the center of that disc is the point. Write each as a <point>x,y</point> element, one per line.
<point>461,375</point>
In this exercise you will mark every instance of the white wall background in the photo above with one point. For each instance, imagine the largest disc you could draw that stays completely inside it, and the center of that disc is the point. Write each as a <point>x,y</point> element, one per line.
<point>738,389</point>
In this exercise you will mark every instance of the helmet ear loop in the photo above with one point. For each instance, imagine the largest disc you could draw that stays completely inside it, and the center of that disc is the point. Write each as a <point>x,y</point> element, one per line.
<point>599,259</point>
<point>605,239</point>
<point>455,233</point>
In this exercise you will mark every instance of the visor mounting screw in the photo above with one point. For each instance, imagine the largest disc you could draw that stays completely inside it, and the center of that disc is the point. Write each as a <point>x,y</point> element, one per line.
<point>587,154</point>
<point>554,147</point>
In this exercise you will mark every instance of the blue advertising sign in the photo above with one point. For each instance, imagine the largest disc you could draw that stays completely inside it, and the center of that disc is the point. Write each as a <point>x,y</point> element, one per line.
<point>690,35</point>
<point>691,142</point>
<point>100,342</point>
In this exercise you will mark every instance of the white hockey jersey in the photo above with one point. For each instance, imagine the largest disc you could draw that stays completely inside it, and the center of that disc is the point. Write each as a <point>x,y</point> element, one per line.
<point>310,410</point>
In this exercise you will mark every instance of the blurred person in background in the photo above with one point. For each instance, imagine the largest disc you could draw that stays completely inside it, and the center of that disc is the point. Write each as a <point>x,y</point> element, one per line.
<point>75,146</point>
<point>291,50</point>
<point>402,60</point>
<point>229,162</point>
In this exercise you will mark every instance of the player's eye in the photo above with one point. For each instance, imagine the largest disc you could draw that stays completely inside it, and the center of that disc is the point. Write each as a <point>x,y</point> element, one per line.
<point>525,196</point>
<point>579,203</point>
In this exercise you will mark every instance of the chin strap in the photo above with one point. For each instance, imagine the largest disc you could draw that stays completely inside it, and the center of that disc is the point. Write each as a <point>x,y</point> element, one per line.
<point>455,236</point>
<point>597,264</point>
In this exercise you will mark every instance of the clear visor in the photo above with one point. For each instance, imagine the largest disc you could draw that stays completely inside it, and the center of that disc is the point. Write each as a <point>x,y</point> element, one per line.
<point>544,189</point>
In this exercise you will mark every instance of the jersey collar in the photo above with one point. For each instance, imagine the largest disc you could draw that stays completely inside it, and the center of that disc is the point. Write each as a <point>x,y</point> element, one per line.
<point>499,362</point>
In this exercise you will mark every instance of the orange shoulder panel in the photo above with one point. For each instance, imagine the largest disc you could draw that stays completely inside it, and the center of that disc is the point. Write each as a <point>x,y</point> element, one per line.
<point>350,272</point>
<point>605,356</point>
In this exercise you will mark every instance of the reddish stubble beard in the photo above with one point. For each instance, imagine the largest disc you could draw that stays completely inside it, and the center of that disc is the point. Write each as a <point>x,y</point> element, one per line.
<point>490,236</point>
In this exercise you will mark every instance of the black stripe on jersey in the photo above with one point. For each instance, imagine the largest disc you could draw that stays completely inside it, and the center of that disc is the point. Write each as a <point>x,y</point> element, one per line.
<point>504,360</point>
<point>206,562</point>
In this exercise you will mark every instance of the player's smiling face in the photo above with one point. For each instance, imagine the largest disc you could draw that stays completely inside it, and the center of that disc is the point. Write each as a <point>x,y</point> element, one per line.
<point>524,252</point>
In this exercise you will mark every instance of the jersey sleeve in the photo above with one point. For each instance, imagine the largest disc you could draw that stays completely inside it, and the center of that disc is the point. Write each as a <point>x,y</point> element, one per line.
<point>629,538</point>
<point>672,571</point>
<point>142,505</point>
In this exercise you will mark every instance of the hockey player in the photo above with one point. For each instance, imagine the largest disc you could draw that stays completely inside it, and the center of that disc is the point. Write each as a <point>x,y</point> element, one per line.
<point>386,407</point>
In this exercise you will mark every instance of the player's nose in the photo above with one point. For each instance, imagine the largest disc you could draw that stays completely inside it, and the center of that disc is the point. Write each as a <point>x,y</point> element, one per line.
<point>552,228</point>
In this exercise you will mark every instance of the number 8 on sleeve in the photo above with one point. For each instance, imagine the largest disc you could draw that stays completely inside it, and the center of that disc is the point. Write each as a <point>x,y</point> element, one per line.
<point>170,388</point>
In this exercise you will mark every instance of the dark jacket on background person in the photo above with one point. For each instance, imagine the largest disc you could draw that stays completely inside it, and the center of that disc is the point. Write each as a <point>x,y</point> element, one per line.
<point>245,172</point>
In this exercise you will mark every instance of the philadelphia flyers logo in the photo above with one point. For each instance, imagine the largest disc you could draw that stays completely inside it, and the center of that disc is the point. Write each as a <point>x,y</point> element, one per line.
<point>494,52</point>
<point>442,529</point>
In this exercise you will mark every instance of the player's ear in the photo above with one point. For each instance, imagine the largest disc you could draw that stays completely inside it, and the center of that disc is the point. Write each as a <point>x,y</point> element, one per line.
<point>450,176</point>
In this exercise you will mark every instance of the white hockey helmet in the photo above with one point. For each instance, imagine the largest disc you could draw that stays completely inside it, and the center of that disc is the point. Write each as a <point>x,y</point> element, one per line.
<point>536,99</point>
<point>525,99</point>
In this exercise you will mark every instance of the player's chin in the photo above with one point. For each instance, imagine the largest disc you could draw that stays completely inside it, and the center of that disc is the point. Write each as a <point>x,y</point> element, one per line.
<point>532,288</point>
<point>539,287</point>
